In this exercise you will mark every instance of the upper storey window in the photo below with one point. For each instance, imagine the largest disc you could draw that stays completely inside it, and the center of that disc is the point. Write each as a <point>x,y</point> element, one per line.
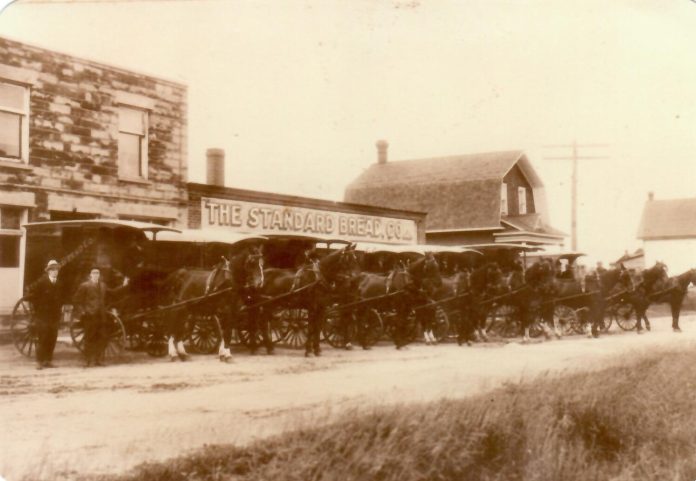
<point>503,199</point>
<point>14,121</point>
<point>522,200</point>
<point>132,143</point>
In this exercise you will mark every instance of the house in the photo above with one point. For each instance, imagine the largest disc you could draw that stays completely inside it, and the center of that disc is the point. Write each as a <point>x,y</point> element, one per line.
<point>80,139</point>
<point>668,231</point>
<point>470,199</point>
<point>634,260</point>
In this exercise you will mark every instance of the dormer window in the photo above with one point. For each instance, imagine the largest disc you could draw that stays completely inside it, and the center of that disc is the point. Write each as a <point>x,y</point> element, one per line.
<point>503,199</point>
<point>522,200</point>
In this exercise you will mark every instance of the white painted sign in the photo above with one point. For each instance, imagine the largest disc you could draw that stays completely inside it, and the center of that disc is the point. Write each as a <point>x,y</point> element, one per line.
<point>260,218</point>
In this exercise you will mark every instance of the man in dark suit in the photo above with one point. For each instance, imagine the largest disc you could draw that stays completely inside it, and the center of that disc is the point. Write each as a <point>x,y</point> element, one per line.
<point>47,300</point>
<point>89,303</point>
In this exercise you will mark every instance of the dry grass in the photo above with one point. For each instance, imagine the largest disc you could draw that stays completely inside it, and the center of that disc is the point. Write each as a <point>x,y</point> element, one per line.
<point>636,421</point>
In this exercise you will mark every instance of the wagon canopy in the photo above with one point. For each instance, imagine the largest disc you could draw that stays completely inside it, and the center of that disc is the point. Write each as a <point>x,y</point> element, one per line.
<point>207,236</point>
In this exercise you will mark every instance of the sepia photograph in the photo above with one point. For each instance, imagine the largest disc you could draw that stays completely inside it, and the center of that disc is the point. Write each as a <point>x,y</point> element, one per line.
<point>390,240</point>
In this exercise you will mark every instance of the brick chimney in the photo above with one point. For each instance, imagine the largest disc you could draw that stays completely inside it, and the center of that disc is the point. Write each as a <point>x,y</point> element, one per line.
<point>215,167</point>
<point>382,147</point>
<point>651,195</point>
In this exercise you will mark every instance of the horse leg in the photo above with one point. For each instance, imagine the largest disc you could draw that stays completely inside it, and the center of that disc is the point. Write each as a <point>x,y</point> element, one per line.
<point>226,325</point>
<point>318,325</point>
<point>645,318</point>
<point>265,329</point>
<point>344,325</point>
<point>311,323</point>
<point>675,307</point>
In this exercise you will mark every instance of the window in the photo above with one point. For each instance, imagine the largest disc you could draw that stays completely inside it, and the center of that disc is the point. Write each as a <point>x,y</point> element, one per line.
<point>14,121</point>
<point>522,200</point>
<point>132,143</point>
<point>10,236</point>
<point>503,199</point>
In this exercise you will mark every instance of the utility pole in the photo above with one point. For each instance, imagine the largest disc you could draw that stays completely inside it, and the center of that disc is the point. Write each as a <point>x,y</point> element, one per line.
<point>574,182</point>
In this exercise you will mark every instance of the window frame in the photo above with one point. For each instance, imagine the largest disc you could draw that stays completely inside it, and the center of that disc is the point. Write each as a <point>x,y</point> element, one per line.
<point>143,161</point>
<point>504,207</point>
<point>24,115</point>
<point>14,233</point>
<point>522,200</point>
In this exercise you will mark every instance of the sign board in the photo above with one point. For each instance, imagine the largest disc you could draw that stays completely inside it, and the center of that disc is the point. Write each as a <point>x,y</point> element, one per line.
<point>261,218</point>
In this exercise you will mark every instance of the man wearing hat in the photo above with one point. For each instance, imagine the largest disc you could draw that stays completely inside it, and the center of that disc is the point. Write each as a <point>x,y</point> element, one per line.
<point>47,298</point>
<point>90,306</point>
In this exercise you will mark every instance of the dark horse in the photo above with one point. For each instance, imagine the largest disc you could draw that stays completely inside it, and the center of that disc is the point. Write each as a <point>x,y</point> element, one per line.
<point>313,287</point>
<point>485,284</point>
<point>654,286</point>
<point>414,285</point>
<point>242,272</point>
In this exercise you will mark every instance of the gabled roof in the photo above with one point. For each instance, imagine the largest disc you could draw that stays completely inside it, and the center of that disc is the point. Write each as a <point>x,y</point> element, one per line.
<point>668,219</point>
<point>457,192</point>
<point>532,223</point>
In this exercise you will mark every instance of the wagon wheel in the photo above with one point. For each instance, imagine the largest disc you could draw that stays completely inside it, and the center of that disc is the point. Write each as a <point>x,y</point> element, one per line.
<point>567,319</point>
<point>583,318</point>
<point>390,322</point>
<point>116,335</point>
<point>154,336</point>
<point>442,325</point>
<point>293,326</point>
<point>502,321</point>
<point>276,330</point>
<point>23,328</point>
<point>624,316</point>
<point>372,327</point>
<point>334,332</point>
<point>205,333</point>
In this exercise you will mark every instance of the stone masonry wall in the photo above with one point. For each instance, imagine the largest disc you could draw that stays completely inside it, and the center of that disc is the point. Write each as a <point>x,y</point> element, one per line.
<point>73,138</point>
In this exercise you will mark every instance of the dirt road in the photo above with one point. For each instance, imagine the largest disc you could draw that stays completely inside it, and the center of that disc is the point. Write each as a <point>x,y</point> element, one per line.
<point>58,422</point>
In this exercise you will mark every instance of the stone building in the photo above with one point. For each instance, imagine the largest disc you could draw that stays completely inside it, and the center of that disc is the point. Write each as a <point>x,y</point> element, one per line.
<point>493,197</point>
<point>79,140</point>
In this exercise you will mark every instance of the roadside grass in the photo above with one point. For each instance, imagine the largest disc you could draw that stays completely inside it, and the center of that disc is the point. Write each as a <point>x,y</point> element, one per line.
<point>633,421</point>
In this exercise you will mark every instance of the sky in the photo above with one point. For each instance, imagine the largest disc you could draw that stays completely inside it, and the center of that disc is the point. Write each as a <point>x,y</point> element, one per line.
<point>297,92</point>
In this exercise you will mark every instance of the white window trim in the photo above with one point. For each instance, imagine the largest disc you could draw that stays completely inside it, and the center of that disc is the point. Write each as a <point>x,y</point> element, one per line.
<point>503,199</point>
<point>522,200</point>
<point>145,164</point>
<point>24,125</point>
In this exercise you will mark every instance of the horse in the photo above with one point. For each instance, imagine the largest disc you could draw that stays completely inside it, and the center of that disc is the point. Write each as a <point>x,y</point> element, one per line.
<point>457,287</point>
<point>311,287</point>
<point>415,284</point>
<point>485,283</point>
<point>241,271</point>
<point>654,286</point>
<point>601,287</point>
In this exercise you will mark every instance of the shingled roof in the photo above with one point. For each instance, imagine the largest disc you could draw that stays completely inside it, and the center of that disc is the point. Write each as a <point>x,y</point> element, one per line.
<point>668,219</point>
<point>457,192</point>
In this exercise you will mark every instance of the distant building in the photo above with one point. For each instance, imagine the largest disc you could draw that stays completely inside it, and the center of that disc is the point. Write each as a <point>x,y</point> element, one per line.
<point>470,199</point>
<point>634,260</point>
<point>668,231</point>
<point>79,140</point>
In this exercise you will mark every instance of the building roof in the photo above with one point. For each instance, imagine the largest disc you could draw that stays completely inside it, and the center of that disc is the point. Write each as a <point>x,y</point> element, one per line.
<point>668,219</point>
<point>457,192</point>
<point>532,223</point>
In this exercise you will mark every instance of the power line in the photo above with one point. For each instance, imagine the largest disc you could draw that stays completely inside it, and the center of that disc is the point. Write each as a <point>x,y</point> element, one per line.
<point>574,157</point>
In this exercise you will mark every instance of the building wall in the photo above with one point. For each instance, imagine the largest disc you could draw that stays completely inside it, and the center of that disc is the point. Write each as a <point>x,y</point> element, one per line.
<point>678,254</point>
<point>73,139</point>
<point>70,168</point>
<point>513,180</point>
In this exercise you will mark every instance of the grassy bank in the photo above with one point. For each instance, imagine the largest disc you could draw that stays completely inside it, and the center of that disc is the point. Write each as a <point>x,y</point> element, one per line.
<point>631,422</point>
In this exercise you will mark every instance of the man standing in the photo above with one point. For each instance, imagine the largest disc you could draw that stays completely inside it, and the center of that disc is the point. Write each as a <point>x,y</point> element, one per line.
<point>89,304</point>
<point>47,300</point>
